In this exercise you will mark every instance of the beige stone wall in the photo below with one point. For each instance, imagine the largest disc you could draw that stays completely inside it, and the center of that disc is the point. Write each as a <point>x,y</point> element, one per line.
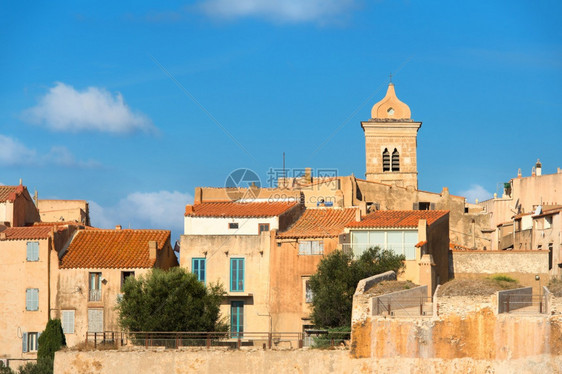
<point>218,250</point>
<point>479,335</point>
<point>64,210</point>
<point>279,362</point>
<point>531,191</point>
<point>16,275</point>
<point>492,262</point>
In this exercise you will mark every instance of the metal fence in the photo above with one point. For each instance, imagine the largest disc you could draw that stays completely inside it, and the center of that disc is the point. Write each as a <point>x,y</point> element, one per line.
<point>523,304</point>
<point>235,340</point>
<point>419,306</point>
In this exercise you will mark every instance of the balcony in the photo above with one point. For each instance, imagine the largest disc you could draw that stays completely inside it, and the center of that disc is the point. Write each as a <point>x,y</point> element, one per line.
<point>95,295</point>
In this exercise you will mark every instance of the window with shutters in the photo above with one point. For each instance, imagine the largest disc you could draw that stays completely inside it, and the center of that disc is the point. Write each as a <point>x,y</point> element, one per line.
<point>198,267</point>
<point>95,287</point>
<point>30,341</point>
<point>237,274</point>
<point>32,299</point>
<point>32,251</point>
<point>95,320</point>
<point>385,160</point>
<point>395,160</point>
<point>68,321</point>
<point>308,294</point>
<point>262,227</point>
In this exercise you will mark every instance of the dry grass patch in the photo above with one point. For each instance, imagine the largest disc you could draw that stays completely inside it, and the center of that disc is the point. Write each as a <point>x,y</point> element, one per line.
<point>483,286</point>
<point>555,286</point>
<point>385,287</point>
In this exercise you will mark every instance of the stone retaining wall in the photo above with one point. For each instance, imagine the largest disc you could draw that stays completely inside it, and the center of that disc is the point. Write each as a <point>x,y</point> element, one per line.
<point>281,362</point>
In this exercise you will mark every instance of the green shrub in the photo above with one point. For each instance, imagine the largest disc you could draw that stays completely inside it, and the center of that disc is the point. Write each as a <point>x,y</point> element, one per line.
<point>503,278</point>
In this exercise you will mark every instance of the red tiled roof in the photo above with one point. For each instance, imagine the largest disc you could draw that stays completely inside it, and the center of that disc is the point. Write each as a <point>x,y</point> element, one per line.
<point>112,249</point>
<point>398,218</point>
<point>458,247</point>
<point>318,223</point>
<point>24,233</point>
<point>9,193</point>
<point>234,209</point>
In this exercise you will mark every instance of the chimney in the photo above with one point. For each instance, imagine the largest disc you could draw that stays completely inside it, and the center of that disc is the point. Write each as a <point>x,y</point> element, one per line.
<point>21,182</point>
<point>533,171</point>
<point>308,175</point>
<point>519,173</point>
<point>152,244</point>
<point>538,168</point>
<point>198,198</point>
<point>188,209</point>
<point>36,198</point>
<point>118,227</point>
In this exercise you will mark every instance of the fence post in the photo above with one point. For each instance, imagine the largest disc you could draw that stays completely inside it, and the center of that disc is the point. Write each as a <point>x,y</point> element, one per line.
<point>421,307</point>
<point>507,304</point>
<point>388,306</point>
<point>540,305</point>
<point>95,340</point>
<point>239,342</point>
<point>208,341</point>
<point>269,339</point>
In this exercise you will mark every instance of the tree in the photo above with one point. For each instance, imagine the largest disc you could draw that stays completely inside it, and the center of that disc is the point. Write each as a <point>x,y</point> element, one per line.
<point>172,300</point>
<point>334,283</point>
<point>50,341</point>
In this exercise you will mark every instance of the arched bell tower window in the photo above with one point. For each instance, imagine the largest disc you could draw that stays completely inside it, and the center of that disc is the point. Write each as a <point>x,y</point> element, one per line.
<point>395,160</point>
<point>386,160</point>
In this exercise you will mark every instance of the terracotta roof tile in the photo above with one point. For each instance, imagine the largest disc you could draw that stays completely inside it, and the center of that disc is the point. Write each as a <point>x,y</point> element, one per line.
<point>112,249</point>
<point>319,223</point>
<point>398,218</point>
<point>234,209</point>
<point>9,193</point>
<point>24,233</point>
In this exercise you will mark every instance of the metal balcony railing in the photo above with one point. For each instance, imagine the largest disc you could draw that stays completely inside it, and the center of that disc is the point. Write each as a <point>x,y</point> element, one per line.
<point>95,295</point>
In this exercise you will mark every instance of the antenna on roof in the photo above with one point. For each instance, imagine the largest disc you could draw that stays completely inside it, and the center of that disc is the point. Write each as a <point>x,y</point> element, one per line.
<point>284,173</point>
<point>20,181</point>
<point>390,78</point>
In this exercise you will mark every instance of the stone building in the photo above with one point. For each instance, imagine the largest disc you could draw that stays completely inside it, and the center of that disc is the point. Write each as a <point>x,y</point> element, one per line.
<point>230,242</point>
<point>295,258</point>
<point>391,143</point>
<point>93,268</point>
<point>17,207</point>
<point>28,287</point>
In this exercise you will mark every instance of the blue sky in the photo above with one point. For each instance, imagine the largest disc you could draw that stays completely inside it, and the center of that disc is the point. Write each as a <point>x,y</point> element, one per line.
<point>130,106</point>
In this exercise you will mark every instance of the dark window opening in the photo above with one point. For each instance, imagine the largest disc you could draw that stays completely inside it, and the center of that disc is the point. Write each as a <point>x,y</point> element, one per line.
<point>263,227</point>
<point>395,160</point>
<point>124,276</point>
<point>422,205</point>
<point>233,225</point>
<point>386,160</point>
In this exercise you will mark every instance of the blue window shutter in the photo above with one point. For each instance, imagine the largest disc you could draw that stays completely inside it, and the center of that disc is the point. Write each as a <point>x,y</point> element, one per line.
<point>32,251</point>
<point>24,342</point>
<point>28,299</point>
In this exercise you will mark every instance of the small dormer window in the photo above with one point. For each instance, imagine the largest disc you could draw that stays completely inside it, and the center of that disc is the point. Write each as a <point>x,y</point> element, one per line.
<point>390,111</point>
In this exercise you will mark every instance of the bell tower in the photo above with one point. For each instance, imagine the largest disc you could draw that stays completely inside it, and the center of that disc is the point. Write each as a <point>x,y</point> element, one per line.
<point>391,142</point>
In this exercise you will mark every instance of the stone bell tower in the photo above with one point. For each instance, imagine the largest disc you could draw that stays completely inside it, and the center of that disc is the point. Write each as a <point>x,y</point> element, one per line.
<point>391,142</point>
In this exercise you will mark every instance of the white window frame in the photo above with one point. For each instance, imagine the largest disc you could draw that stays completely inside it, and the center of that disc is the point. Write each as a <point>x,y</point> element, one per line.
<point>311,247</point>
<point>360,247</point>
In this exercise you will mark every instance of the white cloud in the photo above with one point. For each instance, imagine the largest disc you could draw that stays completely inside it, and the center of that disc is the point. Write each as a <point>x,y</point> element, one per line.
<point>63,157</point>
<point>13,153</point>
<point>64,108</point>
<point>144,210</point>
<point>322,11</point>
<point>476,192</point>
